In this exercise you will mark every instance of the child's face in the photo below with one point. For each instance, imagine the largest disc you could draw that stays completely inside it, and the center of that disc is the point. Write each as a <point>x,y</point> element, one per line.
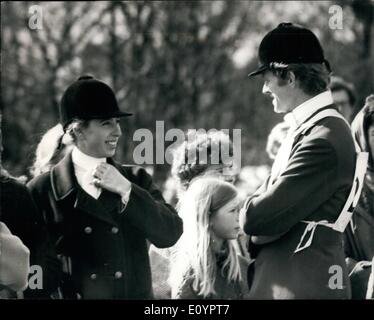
<point>225,221</point>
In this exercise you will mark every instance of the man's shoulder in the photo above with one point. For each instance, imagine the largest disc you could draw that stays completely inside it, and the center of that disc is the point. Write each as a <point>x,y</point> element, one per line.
<point>332,130</point>
<point>330,126</point>
<point>331,136</point>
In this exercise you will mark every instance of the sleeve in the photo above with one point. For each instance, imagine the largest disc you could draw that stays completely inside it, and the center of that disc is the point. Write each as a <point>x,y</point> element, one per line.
<point>14,260</point>
<point>308,181</point>
<point>125,199</point>
<point>149,212</point>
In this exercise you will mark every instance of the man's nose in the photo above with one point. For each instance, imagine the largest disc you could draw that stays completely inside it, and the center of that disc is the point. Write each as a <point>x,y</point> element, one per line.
<point>117,130</point>
<point>265,89</point>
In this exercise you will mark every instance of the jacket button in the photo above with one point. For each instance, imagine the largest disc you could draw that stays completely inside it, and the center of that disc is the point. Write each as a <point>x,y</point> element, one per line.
<point>115,230</point>
<point>88,230</point>
<point>118,275</point>
<point>93,276</point>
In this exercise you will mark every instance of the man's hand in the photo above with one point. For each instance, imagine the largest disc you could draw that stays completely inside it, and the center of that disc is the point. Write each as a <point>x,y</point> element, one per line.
<point>108,177</point>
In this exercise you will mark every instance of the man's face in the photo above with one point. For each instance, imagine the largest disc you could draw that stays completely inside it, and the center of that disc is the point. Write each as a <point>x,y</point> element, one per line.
<point>371,140</point>
<point>341,99</point>
<point>99,139</point>
<point>281,94</point>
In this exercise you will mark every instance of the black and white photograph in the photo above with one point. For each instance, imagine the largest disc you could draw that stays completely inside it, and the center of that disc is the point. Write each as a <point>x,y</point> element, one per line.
<point>206,152</point>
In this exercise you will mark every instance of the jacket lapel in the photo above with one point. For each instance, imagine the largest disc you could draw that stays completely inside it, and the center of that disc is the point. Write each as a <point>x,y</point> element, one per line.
<point>63,179</point>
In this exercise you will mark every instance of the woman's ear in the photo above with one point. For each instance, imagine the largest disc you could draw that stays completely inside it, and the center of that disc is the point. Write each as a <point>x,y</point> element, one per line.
<point>78,133</point>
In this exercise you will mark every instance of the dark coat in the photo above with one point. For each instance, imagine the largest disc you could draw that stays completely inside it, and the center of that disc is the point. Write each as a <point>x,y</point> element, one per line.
<point>359,237</point>
<point>359,243</point>
<point>106,249</point>
<point>20,214</point>
<point>314,187</point>
<point>18,211</point>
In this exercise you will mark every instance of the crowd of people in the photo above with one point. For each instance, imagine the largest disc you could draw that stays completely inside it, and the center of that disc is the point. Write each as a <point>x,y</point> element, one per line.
<point>99,229</point>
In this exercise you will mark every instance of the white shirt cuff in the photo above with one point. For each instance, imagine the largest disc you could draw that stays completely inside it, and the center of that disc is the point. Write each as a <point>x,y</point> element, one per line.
<point>125,199</point>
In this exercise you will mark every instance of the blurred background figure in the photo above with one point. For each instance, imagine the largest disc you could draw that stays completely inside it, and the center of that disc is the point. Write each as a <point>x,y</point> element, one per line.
<point>344,95</point>
<point>206,262</point>
<point>275,139</point>
<point>187,165</point>
<point>359,235</point>
<point>251,178</point>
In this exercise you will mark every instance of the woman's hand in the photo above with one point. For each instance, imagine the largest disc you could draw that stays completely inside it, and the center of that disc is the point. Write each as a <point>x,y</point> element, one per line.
<point>108,177</point>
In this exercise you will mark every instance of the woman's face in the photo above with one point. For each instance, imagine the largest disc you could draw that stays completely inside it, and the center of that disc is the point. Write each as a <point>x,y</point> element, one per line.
<point>224,222</point>
<point>99,139</point>
<point>371,139</point>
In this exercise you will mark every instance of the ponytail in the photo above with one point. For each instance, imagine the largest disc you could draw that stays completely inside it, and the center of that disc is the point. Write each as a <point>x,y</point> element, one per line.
<point>48,150</point>
<point>53,145</point>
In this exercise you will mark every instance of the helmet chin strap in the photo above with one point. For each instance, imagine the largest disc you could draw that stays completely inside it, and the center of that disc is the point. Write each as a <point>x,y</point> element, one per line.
<point>327,64</point>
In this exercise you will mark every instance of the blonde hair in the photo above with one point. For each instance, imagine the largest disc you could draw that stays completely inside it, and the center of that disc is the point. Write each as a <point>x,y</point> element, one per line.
<point>193,252</point>
<point>52,144</point>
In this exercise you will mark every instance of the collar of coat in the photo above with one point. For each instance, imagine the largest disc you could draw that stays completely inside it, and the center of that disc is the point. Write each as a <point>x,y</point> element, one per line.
<point>64,182</point>
<point>63,178</point>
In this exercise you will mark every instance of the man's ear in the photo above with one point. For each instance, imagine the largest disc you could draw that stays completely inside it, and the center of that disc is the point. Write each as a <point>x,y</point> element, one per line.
<point>291,79</point>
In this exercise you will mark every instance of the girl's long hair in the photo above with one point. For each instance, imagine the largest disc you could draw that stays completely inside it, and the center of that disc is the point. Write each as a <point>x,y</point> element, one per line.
<point>193,252</point>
